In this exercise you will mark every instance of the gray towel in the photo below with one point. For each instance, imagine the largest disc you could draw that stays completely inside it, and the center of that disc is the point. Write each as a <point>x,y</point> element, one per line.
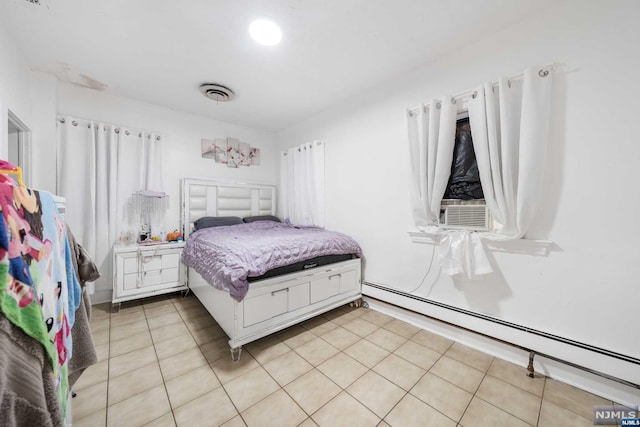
<point>27,389</point>
<point>83,353</point>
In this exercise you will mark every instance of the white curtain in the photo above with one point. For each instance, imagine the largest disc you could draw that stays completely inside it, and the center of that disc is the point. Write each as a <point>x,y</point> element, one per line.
<point>302,184</point>
<point>99,167</point>
<point>509,125</point>
<point>431,131</point>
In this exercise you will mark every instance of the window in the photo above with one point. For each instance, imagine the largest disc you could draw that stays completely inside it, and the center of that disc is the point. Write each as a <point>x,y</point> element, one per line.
<point>463,204</point>
<point>464,182</point>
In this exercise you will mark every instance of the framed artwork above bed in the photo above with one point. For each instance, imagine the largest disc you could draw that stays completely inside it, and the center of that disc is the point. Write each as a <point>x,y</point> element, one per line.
<point>230,151</point>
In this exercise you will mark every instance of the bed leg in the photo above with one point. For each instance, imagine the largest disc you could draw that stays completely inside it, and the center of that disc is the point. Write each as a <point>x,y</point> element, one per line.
<point>358,303</point>
<point>185,293</point>
<point>115,307</point>
<point>236,353</point>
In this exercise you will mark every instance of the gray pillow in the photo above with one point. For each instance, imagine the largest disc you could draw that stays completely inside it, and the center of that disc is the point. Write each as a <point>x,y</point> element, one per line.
<point>261,218</point>
<point>216,221</point>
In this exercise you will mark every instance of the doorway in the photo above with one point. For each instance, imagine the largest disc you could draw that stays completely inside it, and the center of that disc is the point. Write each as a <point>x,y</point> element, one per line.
<point>19,145</point>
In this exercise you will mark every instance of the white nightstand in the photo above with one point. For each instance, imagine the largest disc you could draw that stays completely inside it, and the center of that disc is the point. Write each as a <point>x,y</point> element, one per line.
<point>141,271</point>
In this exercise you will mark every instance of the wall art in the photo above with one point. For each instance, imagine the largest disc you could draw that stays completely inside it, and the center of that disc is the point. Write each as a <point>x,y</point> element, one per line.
<point>230,151</point>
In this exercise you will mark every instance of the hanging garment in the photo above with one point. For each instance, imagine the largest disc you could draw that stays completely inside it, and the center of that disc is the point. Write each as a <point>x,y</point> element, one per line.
<point>84,351</point>
<point>37,281</point>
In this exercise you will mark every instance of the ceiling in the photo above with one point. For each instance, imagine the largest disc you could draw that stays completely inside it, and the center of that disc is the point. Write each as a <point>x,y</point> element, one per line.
<point>160,51</point>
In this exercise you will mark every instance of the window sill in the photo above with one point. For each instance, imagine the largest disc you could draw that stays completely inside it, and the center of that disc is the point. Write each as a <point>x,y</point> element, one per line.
<point>533,247</point>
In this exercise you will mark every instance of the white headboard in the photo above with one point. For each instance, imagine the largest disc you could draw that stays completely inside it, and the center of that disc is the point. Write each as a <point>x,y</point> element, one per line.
<point>202,197</point>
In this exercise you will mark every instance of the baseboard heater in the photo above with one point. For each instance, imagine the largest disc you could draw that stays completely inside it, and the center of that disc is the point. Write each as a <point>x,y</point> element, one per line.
<point>546,335</point>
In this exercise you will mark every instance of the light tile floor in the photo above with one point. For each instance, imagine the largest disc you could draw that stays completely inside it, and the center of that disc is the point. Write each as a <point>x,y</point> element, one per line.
<point>165,362</point>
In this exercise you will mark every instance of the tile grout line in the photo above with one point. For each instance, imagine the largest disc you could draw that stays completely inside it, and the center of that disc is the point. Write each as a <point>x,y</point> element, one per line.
<point>214,373</point>
<point>153,343</point>
<point>541,400</point>
<point>106,409</point>
<point>522,390</point>
<point>429,372</point>
<point>473,395</point>
<point>282,387</point>
<point>368,369</point>
<point>164,383</point>
<point>309,416</point>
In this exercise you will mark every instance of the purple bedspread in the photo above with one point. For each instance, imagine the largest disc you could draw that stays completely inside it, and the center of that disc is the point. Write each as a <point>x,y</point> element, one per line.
<point>226,256</point>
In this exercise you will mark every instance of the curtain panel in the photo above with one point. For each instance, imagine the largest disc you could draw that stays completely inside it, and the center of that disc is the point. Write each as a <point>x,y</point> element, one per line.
<point>99,167</point>
<point>431,131</point>
<point>510,125</point>
<point>302,184</point>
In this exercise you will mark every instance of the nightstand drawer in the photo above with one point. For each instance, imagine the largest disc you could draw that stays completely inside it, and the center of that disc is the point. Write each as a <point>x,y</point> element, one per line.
<point>170,260</point>
<point>130,281</point>
<point>130,265</point>
<point>151,278</point>
<point>170,275</point>
<point>152,262</point>
<point>142,271</point>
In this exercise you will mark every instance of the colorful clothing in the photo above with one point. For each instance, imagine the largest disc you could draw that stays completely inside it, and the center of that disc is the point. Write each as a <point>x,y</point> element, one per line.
<point>39,291</point>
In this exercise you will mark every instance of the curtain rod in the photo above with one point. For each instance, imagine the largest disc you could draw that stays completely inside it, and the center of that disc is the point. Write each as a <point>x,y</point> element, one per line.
<point>61,118</point>
<point>461,96</point>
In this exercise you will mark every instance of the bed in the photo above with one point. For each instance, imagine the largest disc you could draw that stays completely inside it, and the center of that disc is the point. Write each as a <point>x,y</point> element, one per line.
<point>277,298</point>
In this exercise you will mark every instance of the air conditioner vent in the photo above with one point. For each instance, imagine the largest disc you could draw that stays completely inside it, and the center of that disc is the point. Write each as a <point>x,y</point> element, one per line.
<point>217,92</point>
<point>465,216</point>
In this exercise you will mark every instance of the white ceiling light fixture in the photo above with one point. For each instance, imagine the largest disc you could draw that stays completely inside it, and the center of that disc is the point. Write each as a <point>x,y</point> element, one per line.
<point>265,32</point>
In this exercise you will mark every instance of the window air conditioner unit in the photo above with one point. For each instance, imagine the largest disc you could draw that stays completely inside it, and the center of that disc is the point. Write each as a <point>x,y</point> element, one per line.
<point>465,215</point>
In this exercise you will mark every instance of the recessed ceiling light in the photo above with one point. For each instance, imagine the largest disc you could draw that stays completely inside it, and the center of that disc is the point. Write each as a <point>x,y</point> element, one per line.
<point>265,32</point>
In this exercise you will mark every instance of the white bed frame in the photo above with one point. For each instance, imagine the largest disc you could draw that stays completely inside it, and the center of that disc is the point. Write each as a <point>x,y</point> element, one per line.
<point>271,304</point>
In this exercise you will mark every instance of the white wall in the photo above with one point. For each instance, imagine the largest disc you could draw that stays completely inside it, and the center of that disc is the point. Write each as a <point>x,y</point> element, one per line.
<point>15,83</point>
<point>31,97</point>
<point>182,133</point>
<point>587,288</point>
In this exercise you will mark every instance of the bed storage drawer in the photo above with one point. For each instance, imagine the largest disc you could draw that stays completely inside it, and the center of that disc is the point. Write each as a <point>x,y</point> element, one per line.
<point>275,301</point>
<point>279,302</point>
<point>349,281</point>
<point>325,287</point>
<point>272,303</point>
<point>298,296</point>
<point>265,306</point>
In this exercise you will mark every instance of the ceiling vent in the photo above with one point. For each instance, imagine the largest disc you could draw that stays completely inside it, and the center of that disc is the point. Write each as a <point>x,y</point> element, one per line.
<point>217,92</point>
